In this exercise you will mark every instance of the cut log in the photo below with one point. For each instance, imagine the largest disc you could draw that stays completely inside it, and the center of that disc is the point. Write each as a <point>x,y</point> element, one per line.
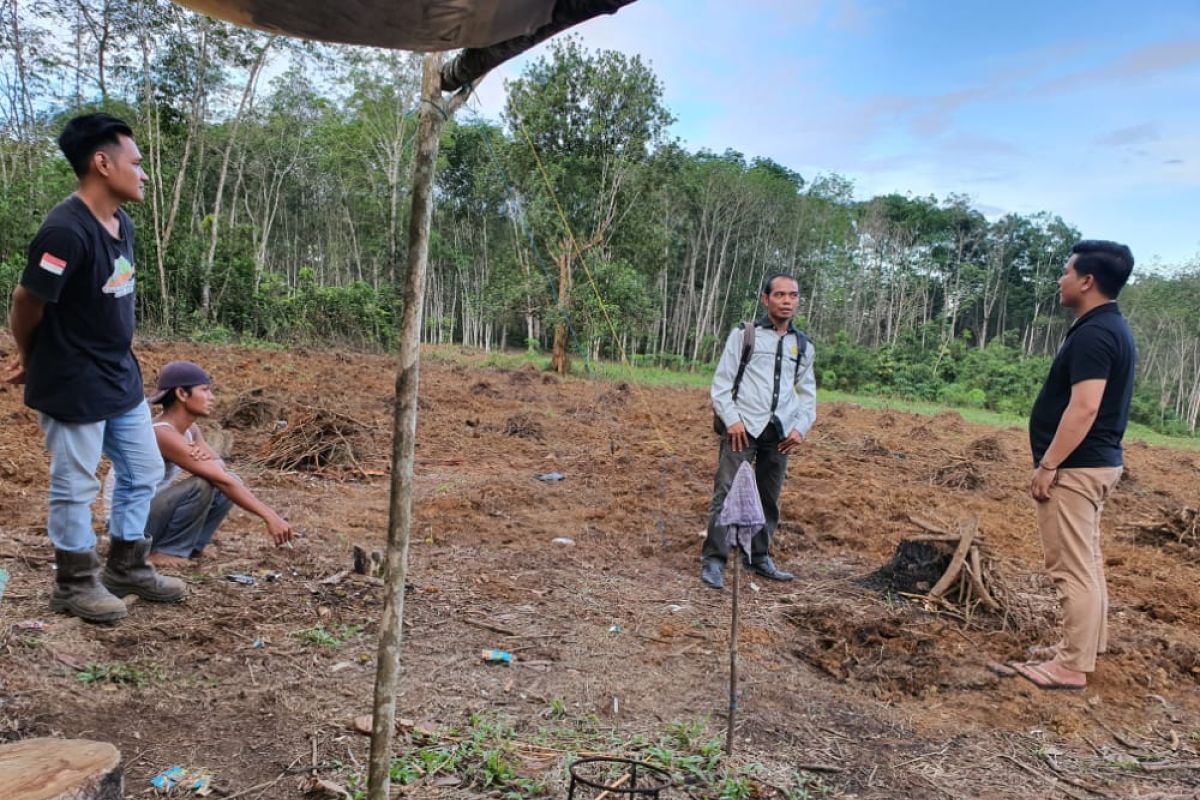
<point>975,570</point>
<point>929,526</point>
<point>967,533</point>
<point>61,769</point>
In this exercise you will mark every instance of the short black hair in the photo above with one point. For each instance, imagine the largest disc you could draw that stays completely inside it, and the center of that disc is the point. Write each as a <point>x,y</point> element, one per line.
<point>1109,263</point>
<point>84,135</point>
<point>170,397</point>
<point>766,287</point>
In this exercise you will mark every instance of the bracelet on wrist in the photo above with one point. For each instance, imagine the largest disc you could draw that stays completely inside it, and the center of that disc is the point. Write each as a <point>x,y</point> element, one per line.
<point>1047,467</point>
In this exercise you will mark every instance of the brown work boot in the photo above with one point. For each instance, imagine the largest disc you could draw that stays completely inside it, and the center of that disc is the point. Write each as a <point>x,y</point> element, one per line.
<point>78,590</point>
<point>128,572</point>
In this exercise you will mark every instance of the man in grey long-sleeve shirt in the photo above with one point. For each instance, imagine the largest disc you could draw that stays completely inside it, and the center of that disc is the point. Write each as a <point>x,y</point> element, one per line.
<point>764,420</point>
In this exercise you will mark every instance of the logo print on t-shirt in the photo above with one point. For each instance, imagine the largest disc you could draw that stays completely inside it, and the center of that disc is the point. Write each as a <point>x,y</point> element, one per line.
<point>121,282</point>
<point>52,264</point>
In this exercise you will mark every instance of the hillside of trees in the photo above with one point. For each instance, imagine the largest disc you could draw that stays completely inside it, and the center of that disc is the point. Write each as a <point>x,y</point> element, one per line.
<point>277,202</point>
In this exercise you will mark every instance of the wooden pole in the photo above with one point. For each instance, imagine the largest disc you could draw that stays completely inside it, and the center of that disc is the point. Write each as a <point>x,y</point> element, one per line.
<point>733,631</point>
<point>561,360</point>
<point>433,115</point>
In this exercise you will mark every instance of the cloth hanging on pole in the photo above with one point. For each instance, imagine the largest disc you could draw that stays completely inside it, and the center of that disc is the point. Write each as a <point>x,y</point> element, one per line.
<point>742,515</point>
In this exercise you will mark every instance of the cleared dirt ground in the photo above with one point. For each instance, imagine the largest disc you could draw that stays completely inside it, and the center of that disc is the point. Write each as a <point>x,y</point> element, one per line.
<point>865,695</point>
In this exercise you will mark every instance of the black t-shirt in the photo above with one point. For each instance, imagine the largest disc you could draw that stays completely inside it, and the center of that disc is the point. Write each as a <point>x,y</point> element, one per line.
<point>1098,346</point>
<point>81,367</point>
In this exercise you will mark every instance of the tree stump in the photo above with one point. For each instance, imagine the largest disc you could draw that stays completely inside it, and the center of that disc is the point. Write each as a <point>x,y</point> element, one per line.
<point>61,769</point>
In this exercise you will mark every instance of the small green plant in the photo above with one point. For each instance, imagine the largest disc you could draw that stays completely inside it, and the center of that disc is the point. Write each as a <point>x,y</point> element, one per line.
<point>324,637</point>
<point>557,709</point>
<point>483,755</point>
<point>734,787</point>
<point>486,756</point>
<point>117,673</point>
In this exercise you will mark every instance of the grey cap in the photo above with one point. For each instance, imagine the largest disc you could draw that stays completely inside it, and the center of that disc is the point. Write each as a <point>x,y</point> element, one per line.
<point>178,374</point>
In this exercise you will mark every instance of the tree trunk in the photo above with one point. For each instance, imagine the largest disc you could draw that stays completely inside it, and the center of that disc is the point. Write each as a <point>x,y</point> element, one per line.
<point>433,115</point>
<point>61,769</point>
<point>206,273</point>
<point>561,361</point>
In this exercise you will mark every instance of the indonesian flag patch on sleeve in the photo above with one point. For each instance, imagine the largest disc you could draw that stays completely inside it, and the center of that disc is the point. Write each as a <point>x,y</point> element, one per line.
<point>52,263</point>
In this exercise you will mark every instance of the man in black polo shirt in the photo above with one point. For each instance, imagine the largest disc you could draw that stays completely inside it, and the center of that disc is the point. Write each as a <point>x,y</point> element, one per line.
<point>1075,432</point>
<point>72,318</point>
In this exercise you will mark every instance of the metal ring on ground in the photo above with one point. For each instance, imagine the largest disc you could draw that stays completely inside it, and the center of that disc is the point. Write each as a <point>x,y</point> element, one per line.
<point>658,779</point>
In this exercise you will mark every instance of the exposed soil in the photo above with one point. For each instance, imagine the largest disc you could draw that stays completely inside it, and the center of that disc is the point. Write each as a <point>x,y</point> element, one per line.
<point>891,698</point>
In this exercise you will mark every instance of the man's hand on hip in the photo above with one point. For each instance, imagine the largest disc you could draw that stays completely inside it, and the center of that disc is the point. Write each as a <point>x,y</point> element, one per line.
<point>738,439</point>
<point>791,442</point>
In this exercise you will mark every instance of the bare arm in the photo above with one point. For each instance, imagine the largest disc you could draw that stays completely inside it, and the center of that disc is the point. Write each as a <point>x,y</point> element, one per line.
<point>25,315</point>
<point>175,448</point>
<point>1076,421</point>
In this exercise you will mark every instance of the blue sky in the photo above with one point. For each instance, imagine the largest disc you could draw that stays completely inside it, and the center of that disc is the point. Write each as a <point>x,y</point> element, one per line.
<point>1088,110</point>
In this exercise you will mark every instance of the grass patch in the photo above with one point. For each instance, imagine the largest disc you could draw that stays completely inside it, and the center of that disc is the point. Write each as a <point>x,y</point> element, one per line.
<point>325,637</point>
<point>489,757</point>
<point>118,673</point>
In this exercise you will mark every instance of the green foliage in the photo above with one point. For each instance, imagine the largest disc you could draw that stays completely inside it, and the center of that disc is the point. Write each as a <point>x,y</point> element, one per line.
<point>486,756</point>
<point>331,638</point>
<point>118,673</point>
<point>483,755</point>
<point>906,296</point>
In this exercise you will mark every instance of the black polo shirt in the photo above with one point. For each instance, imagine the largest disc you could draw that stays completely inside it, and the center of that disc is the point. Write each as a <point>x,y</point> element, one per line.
<point>81,366</point>
<point>1098,346</point>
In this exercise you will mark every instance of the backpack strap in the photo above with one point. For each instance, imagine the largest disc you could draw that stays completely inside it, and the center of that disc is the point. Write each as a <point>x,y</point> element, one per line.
<point>802,344</point>
<point>747,351</point>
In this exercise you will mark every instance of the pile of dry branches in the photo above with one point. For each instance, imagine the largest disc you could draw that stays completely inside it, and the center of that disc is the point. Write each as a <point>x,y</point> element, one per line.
<point>969,580</point>
<point>315,440</point>
<point>958,473</point>
<point>1177,526</point>
<point>253,408</point>
<point>987,448</point>
<point>523,426</point>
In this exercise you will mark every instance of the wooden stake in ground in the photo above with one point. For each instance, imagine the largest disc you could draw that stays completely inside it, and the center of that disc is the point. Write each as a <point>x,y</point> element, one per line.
<point>742,515</point>
<point>733,631</point>
<point>434,113</point>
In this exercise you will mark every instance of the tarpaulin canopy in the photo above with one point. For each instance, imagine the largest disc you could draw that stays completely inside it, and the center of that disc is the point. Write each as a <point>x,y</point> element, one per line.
<point>424,25</point>
<point>405,24</point>
<point>492,31</point>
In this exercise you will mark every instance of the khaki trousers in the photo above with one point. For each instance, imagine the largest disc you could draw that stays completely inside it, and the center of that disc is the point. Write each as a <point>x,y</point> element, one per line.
<point>1069,523</point>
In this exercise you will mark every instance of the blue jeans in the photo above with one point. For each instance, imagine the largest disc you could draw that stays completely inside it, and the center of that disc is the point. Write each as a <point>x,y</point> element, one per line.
<point>75,449</point>
<point>185,516</point>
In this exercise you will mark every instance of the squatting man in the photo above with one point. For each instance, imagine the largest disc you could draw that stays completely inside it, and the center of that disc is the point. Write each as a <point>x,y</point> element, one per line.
<point>197,490</point>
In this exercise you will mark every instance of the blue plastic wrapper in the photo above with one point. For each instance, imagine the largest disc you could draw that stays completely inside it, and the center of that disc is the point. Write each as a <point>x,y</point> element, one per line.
<point>168,779</point>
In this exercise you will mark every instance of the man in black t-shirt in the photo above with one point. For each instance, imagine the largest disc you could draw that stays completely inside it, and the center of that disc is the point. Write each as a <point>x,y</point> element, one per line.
<point>1075,433</point>
<point>72,317</point>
